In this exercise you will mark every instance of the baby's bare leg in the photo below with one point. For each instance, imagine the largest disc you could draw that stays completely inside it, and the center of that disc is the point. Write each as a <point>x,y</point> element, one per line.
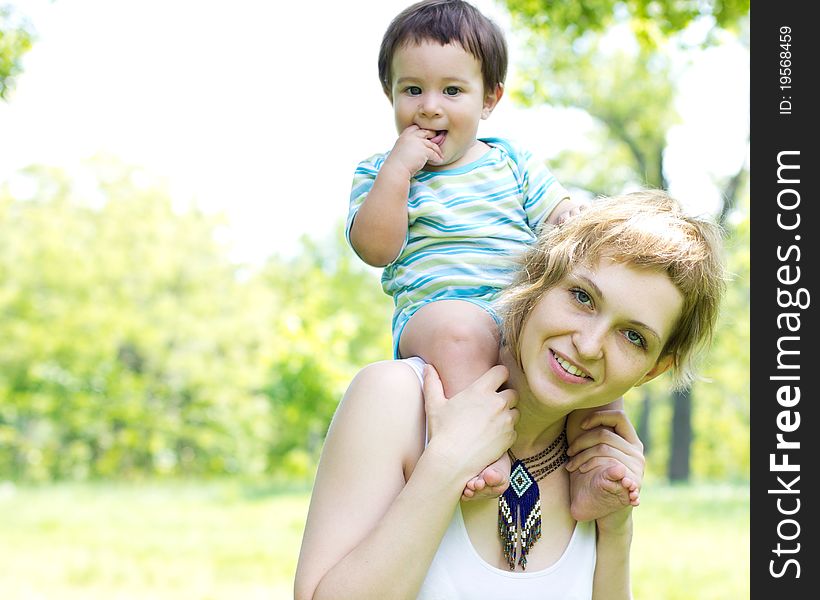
<point>460,339</point>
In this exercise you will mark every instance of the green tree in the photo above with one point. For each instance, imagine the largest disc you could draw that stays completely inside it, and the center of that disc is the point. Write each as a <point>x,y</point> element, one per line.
<point>126,350</point>
<point>331,318</point>
<point>617,61</point>
<point>652,21</point>
<point>16,37</point>
<point>721,414</point>
<point>134,345</point>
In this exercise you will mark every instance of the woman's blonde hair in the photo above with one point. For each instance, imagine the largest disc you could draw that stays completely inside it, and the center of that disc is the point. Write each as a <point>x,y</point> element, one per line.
<point>646,229</point>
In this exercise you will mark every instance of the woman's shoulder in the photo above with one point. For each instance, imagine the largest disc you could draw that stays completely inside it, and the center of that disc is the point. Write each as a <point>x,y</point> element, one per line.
<point>385,404</point>
<point>388,389</point>
<point>391,373</point>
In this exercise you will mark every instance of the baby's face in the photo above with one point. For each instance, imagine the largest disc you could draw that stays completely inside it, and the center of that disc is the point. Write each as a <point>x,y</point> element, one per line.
<point>440,88</point>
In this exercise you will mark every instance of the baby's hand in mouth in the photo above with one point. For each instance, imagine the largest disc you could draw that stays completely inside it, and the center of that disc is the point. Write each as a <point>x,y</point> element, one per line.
<point>439,137</point>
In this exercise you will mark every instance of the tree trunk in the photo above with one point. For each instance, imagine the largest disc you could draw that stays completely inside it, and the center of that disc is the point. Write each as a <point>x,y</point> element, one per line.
<point>681,443</point>
<point>643,422</point>
<point>681,435</point>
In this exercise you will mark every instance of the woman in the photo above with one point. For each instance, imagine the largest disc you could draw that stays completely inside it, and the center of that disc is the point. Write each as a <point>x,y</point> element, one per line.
<point>608,301</point>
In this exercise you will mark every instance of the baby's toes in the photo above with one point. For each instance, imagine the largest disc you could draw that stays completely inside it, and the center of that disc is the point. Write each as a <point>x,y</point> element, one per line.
<point>473,487</point>
<point>493,477</point>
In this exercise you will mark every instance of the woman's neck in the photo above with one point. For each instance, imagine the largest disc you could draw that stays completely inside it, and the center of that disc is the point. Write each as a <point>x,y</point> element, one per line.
<point>538,425</point>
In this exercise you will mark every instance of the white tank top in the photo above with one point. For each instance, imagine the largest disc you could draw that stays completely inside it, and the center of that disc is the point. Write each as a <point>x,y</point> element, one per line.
<point>458,572</point>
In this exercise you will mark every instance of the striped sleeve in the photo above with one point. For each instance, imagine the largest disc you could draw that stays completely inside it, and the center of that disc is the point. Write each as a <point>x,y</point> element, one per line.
<point>542,192</point>
<point>363,179</point>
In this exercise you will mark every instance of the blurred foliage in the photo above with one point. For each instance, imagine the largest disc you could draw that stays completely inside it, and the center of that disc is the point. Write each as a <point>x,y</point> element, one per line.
<point>720,419</point>
<point>651,21</point>
<point>619,61</point>
<point>630,96</point>
<point>134,345</point>
<point>332,318</point>
<point>16,37</point>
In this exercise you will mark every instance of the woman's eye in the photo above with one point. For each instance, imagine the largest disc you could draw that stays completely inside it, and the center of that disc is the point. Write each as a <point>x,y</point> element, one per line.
<point>635,338</point>
<point>413,90</point>
<point>582,297</point>
<point>451,90</point>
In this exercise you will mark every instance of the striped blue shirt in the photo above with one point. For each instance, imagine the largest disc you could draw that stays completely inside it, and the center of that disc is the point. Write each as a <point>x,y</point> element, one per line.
<point>465,226</point>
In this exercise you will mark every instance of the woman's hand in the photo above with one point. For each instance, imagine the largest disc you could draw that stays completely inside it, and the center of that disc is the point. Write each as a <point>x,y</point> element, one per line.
<point>606,467</point>
<point>474,427</point>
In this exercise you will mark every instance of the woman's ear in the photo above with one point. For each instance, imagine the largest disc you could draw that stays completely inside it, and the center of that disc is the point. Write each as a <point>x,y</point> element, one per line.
<point>491,99</point>
<point>663,365</point>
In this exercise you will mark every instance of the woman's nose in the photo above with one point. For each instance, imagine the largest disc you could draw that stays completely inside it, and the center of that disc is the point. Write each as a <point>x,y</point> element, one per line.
<point>589,342</point>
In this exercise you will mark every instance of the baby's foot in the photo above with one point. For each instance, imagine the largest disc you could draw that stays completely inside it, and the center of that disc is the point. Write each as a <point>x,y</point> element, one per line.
<point>491,482</point>
<point>601,491</point>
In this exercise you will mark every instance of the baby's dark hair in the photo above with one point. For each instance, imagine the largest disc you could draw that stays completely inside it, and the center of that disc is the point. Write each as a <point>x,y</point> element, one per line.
<point>445,22</point>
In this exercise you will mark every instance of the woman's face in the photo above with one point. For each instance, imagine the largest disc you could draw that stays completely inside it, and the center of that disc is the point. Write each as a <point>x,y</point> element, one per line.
<point>598,333</point>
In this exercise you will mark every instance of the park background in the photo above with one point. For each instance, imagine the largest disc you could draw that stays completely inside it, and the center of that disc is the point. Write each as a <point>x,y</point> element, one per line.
<point>180,315</point>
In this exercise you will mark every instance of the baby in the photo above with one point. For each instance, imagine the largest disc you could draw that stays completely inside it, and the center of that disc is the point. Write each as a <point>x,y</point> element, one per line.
<point>447,214</point>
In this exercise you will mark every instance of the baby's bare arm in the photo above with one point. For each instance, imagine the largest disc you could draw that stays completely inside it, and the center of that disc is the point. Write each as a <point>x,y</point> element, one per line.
<point>380,226</point>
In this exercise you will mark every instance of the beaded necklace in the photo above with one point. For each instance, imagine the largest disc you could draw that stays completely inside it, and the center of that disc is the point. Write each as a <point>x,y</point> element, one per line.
<point>519,507</point>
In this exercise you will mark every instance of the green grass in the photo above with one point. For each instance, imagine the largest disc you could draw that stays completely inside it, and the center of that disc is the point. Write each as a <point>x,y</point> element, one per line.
<point>691,543</point>
<point>198,541</point>
<point>227,540</point>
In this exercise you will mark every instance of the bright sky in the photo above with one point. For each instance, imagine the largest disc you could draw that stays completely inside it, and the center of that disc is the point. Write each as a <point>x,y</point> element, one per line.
<point>262,110</point>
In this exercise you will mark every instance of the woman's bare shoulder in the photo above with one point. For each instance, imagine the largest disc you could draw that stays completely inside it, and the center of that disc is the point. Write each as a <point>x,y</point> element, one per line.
<point>385,399</point>
<point>394,375</point>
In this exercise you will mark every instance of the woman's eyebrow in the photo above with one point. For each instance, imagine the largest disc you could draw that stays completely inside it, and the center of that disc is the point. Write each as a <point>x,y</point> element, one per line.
<point>591,284</point>
<point>587,281</point>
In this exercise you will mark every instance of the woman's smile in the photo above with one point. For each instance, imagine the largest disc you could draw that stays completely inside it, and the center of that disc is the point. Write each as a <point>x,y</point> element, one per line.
<point>567,370</point>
